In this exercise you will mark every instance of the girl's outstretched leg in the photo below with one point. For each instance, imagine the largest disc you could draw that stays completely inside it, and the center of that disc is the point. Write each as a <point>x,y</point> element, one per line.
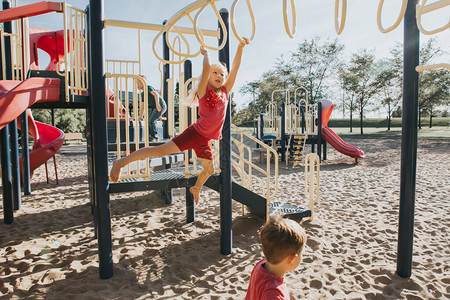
<point>208,170</point>
<point>156,151</point>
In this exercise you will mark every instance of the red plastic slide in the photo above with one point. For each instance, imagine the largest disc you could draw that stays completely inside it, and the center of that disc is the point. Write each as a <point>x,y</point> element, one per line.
<point>47,141</point>
<point>332,138</point>
<point>15,98</point>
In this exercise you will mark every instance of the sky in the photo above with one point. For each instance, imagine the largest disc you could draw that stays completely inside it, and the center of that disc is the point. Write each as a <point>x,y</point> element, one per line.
<point>314,18</point>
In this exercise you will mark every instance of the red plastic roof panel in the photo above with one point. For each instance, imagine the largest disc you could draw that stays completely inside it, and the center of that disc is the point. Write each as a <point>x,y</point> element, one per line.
<point>29,10</point>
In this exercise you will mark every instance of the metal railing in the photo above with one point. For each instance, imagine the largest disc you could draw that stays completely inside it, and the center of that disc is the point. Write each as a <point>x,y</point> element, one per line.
<point>124,85</point>
<point>74,66</point>
<point>250,175</point>
<point>19,49</point>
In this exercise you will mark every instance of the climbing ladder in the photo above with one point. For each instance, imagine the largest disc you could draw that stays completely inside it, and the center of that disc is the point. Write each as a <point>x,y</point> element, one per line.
<point>296,146</point>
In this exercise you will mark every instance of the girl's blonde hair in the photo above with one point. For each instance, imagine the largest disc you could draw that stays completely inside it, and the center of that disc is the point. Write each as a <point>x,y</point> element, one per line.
<point>192,99</point>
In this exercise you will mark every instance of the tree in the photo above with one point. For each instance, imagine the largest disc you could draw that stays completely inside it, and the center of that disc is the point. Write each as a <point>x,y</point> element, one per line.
<point>349,83</point>
<point>314,63</point>
<point>388,86</point>
<point>432,88</point>
<point>434,91</point>
<point>68,120</point>
<point>311,66</point>
<point>361,76</point>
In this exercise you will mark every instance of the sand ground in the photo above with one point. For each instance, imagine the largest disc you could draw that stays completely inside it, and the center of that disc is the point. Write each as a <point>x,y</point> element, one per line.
<point>50,252</point>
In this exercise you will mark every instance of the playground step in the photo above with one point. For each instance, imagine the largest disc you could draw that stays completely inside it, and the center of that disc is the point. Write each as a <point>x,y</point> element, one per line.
<point>288,210</point>
<point>299,136</point>
<point>161,180</point>
<point>297,151</point>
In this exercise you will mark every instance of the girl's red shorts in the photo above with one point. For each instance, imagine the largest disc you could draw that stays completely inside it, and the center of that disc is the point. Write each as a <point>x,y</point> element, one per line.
<point>191,139</point>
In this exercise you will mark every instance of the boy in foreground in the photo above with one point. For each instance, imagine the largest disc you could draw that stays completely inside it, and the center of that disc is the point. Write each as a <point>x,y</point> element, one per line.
<point>282,241</point>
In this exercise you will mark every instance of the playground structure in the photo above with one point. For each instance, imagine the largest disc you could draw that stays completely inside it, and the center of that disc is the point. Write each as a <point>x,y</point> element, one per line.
<point>70,78</point>
<point>300,123</point>
<point>258,195</point>
<point>86,88</point>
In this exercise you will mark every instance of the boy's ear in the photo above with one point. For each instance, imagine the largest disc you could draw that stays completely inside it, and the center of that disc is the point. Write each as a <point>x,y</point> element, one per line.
<point>291,258</point>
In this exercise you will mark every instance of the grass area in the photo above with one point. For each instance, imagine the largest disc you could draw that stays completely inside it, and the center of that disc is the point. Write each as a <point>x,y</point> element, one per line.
<point>378,127</point>
<point>395,122</point>
<point>434,132</point>
<point>425,132</point>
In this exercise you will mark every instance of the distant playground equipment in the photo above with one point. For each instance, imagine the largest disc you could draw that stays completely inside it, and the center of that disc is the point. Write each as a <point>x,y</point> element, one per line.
<point>333,139</point>
<point>300,123</point>
<point>82,76</point>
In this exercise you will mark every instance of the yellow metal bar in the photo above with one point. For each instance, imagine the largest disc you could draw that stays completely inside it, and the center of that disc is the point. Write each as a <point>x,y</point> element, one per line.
<point>156,27</point>
<point>430,67</point>
<point>397,22</point>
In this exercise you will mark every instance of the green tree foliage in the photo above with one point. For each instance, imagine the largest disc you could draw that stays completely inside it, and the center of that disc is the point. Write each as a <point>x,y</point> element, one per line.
<point>314,61</point>
<point>68,120</point>
<point>388,83</point>
<point>434,91</point>
<point>433,84</point>
<point>348,84</point>
<point>360,80</point>
<point>311,65</point>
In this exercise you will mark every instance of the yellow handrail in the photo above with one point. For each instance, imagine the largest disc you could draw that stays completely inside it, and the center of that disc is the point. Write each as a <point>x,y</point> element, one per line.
<point>244,164</point>
<point>139,171</point>
<point>430,67</point>
<point>312,184</point>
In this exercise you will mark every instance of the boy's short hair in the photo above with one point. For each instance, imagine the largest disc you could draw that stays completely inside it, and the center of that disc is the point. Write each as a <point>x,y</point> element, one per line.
<point>281,238</point>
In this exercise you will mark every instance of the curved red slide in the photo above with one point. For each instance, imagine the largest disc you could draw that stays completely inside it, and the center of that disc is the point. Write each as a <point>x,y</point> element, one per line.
<point>15,98</point>
<point>47,141</point>
<point>332,138</point>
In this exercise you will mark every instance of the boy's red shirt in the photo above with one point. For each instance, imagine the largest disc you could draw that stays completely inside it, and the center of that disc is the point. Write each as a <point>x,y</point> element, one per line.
<point>265,285</point>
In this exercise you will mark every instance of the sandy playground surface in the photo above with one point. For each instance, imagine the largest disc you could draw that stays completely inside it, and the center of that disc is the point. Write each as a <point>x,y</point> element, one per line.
<point>49,251</point>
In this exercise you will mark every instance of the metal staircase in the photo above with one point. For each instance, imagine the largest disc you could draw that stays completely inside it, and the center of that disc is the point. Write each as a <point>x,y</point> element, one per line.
<point>296,146</point>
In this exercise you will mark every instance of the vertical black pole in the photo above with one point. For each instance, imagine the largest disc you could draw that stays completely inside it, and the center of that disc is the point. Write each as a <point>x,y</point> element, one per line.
<point>52,113</point>
<point>409,141</point>
<point>99,138</point>
<point>166,75</point>
<point>89,142</point>
<point>15,167</point>
<point>319,130</point>
<point>261,126</point>
<point>190,206</point>
<point>7,27</point>
<point>283,131</point>
<point>26,173</point>
<point>14,146</point>
<point>187,76</point>
<point>226,236</point>
<point>8,212</point>
<point>8,208</point>
<point>302,110</point>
